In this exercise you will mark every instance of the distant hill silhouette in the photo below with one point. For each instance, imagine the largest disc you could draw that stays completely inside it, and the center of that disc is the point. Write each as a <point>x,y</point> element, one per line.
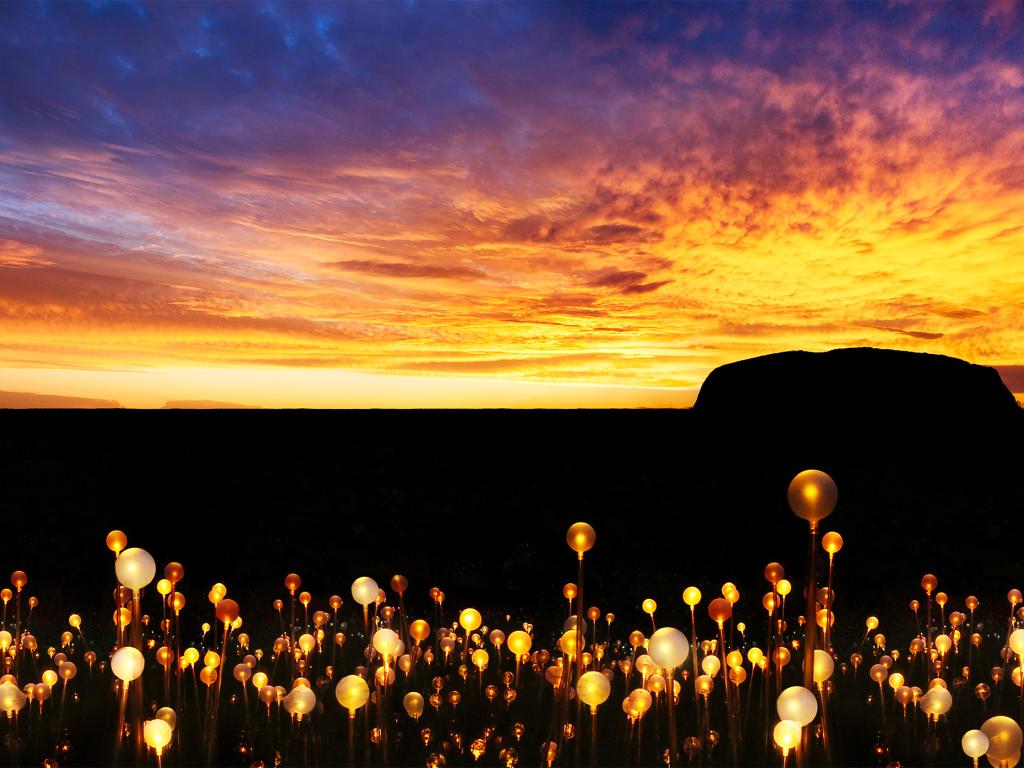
<point>859,392</point>
<point>36,400</point>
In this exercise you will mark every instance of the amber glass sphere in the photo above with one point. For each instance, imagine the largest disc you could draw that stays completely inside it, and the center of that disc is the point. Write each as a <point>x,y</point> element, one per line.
<point>812,495</point>
<point>832,542</point>
<point>227,611</point>
<point>116,541</point>
<point>580,537</point>
<point>773,572</point>
<point>719,609</point>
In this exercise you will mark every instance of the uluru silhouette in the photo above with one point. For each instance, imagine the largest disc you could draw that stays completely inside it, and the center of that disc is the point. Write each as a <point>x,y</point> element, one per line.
<point>860,392</point>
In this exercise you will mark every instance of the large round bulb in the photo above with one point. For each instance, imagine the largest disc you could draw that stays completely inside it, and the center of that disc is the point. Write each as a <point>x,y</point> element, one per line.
<point>127,663</point>
<point>593,689</point>
<point>352,692</point>
<point>157,733</point>
<point>668,647</point>
<point>797,703</point>
<point>135,568</point>
<point>581,538</point>
<point>365,590</point>
<point>812,495</point>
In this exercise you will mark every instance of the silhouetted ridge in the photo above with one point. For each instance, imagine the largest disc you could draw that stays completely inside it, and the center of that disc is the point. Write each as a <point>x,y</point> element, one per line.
<point>863,389</point>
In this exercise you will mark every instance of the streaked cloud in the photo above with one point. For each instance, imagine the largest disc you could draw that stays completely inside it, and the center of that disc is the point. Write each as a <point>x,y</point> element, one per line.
<point>617,195</point>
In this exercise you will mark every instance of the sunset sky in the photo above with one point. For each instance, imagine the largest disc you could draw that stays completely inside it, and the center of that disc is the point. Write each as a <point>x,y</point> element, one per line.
<point>420,204</point>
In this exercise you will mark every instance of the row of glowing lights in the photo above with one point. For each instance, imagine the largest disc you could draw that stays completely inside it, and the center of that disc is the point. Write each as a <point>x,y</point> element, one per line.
<point>812,497</point>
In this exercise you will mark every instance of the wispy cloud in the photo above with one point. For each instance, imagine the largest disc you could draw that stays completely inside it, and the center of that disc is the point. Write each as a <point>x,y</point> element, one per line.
<point>498,190</point>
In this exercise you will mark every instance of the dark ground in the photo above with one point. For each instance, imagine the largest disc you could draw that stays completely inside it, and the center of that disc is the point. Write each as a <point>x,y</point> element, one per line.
<point>478,503</point>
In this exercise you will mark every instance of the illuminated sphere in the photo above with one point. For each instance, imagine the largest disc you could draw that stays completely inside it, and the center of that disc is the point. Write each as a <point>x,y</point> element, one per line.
<point>823,666</point>
<point>787,734</point>
<point>832,542</point>
<point>519,642</point>
<point>50,678</point>
<point>67,670</point>
<point>135,568</point>
<point>639,700</point>
<point>127,663</point>
<point>567,643</point>
<point>480,659</point>
<point>1004,738</point>
<point>157,734</point>
<point>174,572</point>
<point>878,673</point>
<point>11,698</point>
<point>242,673</point>
<point>1017,641</point>
<point>292,582</point>
<point>352,692</point>
<point>797,703</point>
<point>581,538</point>
<point>164,587</point>
<point>711,665</point>
<point>211,659</point>
<point>470,619</point>
<point>649,606</point>
<point>386,642</point>
<point>812,495</point>
<point>168,716</point>
<point>364,590</point>
<point>784,587</point>
<point>116,541</point>
<point>227,609</point>
<point>413,703</point>
<point>943,643</point>
<point>74,620</point>
<point>719,609</point>
<point>419,630</point>
<point>668,647</point>
<point>299,701</point>
<point>399,583</point>
<point>974,743</point>
<point>936,701</point>
<point>691,596</point>
<point>593,689</point>
<point>705,684</point>
<point>929,582</point>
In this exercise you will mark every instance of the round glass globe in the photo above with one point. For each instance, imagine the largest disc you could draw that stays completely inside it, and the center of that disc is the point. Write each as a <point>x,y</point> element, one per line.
<point>135,568</point>
<point>127,663</point>
<point>352,692</point>
<point>668,647</point>
<point>812,495</point>
<point>797,703</point>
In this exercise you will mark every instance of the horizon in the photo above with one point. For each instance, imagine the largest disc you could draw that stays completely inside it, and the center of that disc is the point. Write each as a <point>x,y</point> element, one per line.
<point>508,205</point>
<point>468,393</point>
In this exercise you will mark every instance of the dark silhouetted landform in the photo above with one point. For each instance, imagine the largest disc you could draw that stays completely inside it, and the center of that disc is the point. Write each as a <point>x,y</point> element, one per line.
<point>852,394</point>
<point>36,400</point>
